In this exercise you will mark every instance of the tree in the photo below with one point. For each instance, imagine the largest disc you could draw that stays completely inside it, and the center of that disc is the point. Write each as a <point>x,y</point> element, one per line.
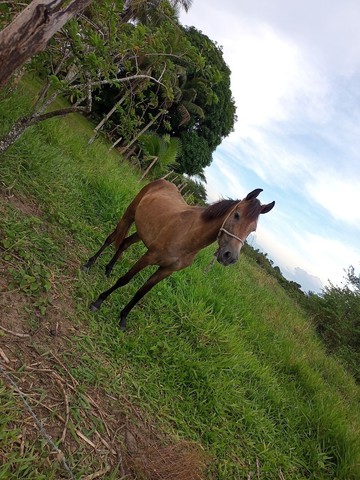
<point>336,315</point>
<point>82,58</point>
<point>195,192</point>
<point>162,52</point>
<point>196,153</point>
<point>151,12</point>
<point>31,30</point>
<point>206,105</point>
<point>159,152</point>
<point>352,279</point>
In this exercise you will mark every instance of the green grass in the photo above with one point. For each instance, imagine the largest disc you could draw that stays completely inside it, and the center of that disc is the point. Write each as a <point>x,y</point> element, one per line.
<point>222,358</point>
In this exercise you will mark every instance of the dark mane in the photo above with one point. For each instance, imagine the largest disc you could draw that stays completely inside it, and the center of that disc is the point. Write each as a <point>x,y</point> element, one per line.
<point>218,209</point>
<point>221,207</point>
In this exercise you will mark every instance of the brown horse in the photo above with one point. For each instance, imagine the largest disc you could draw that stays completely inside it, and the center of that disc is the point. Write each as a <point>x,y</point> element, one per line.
<point>174,232</point>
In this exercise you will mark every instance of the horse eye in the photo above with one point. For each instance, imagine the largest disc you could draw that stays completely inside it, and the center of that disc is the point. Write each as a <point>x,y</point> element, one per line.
<point>237,216</point>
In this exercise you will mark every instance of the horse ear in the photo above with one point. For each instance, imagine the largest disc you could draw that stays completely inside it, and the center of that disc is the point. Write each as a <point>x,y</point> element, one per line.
<point>267,208</point>
<point>253,194</point>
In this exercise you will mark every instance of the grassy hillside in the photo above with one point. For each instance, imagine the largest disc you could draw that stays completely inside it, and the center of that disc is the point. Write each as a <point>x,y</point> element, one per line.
<point>218,376</point>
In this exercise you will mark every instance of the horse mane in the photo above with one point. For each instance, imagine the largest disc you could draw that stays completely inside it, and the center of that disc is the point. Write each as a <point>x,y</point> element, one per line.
<point>220,208</point>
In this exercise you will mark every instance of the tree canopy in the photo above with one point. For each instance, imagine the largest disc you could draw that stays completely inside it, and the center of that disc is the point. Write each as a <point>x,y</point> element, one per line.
<point>136,69</point>
<point>205,111</point>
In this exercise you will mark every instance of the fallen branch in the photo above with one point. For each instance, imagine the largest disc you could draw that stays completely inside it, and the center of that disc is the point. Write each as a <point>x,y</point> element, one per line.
<point>98,474</point>
<point>23,123</point>
<point>4,356</point>
<point>75,382</point>
<point>67,410</point>
<point>16,334</point>
<point>82,436</point>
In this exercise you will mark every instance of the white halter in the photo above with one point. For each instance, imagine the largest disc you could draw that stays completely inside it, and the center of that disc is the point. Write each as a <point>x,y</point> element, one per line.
<point>222,229</point>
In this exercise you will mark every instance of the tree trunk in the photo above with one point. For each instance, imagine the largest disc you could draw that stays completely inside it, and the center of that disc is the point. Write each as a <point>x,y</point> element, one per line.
<point>30,31</point>
<point>168,174</point>
<point>149,168</point>
<point>115,143</point>
<point>136,86</point>
<point>105,119</point>
<point>16,131</point>
<point>142,131</point>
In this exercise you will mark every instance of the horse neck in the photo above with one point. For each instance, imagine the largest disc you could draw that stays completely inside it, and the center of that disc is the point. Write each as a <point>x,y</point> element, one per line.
<point>208,230</point>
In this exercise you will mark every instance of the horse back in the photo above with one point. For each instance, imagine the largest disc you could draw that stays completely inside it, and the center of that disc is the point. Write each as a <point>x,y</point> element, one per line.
<point>161,206</point>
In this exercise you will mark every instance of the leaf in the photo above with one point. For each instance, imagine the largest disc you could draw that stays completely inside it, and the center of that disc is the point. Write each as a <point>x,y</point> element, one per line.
<point>7,243</point>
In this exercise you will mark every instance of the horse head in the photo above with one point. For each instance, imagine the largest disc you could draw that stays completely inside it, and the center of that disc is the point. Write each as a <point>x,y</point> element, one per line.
<point>238,224</point>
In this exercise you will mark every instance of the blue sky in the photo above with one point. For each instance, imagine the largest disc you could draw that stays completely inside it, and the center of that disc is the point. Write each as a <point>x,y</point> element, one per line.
<point>296,83</point>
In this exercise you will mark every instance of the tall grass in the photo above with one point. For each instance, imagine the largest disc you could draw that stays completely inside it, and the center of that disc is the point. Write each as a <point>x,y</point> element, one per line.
<point>223,358</point>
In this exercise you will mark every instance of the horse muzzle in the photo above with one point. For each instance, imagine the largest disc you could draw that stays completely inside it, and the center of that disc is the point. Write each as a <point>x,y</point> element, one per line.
<point>226,257</point>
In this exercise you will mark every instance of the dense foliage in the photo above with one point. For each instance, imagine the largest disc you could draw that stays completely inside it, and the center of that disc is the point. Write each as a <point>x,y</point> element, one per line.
<point>136,69</point>
<point>335,312</point>
<point>205,114</point>
<point>336,315</point>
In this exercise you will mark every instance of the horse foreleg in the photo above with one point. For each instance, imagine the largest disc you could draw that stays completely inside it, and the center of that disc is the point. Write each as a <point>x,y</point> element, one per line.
<point>160,274</point>
<point>143,262</point>
<point>125,244</point>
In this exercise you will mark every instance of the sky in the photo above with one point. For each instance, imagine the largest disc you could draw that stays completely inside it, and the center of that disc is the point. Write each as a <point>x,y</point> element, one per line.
<point>296,83</point>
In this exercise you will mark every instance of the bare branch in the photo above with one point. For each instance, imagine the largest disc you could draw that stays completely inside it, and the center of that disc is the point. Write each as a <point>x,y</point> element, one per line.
<point>118,80</point>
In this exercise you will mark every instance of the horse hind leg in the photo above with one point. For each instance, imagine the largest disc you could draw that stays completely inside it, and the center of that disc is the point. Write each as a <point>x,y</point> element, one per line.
<point>142,263</point>
<point>109,240</point>
<point>128,241</point>
<point>122,228</point>
<point>116,236</point>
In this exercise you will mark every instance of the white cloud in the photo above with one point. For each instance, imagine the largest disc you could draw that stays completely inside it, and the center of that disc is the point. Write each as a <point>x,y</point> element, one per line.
<point>272,80</point>
<point>235,188</point>
<point>320,256</point>
<point>332,255</point>
<point>339,196</point>
<point>328,30</point>
<point>308,282</point>
<point>295,78</point>
<point>270,158</point>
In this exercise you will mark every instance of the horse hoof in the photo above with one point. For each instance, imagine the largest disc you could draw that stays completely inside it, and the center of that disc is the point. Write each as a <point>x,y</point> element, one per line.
<point>94,306</point>
<point>85,268</point>
<point>122,324</point>
<point>108,272</point>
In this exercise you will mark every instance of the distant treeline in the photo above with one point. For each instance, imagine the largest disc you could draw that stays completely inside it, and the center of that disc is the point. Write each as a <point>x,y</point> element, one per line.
<point>335,312</point>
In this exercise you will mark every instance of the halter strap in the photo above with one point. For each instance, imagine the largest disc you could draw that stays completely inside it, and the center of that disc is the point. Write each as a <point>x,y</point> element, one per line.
<point>222,229</point>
